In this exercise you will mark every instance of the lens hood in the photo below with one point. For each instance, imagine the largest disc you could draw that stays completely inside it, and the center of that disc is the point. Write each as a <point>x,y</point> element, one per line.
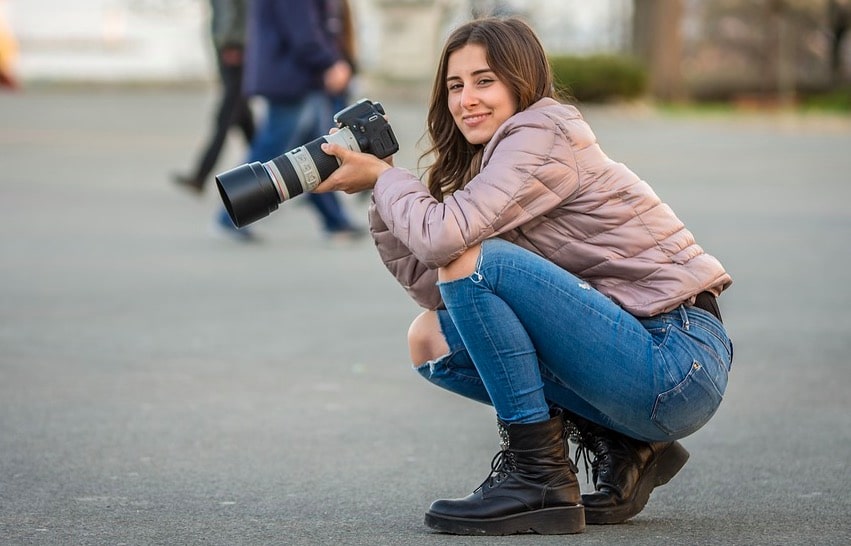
<point>248,193</point>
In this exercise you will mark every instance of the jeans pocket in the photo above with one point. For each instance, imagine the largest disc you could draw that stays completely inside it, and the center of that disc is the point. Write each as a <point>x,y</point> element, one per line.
<point>685,408</point>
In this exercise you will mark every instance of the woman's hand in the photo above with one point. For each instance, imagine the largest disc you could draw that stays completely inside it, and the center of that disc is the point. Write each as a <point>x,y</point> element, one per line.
<point>358,171</point>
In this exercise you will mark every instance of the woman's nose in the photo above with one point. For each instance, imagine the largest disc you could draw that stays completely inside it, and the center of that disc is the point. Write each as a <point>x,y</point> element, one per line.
<point>469,97</point>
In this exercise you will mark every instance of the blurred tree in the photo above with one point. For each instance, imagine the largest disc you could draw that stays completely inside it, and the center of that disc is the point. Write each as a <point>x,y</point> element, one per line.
<point>838,20</point>
<point>772,50</point>
<point>780,51</point>
<point>657,41</point>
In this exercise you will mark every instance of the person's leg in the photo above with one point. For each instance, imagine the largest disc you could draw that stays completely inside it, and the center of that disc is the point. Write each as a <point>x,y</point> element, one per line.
<point>498,344</point>
<point>242,116</point>
<point>276,133</point>
<point>625,470</point>
<point>520,315</point>
<point>313,121</point>
<point>439,356</point>
<point>533,487</point>
<point>196,180</point>
<point>244,119</point>
<point>226,113</point>
<point>651,379</point>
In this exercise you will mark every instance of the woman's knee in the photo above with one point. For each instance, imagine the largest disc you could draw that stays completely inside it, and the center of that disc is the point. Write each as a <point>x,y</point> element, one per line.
<point>463,266</point>
<point>425,339</point>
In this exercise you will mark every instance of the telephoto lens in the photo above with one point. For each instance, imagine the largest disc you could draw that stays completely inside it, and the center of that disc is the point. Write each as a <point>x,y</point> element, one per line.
<point>254,190</point>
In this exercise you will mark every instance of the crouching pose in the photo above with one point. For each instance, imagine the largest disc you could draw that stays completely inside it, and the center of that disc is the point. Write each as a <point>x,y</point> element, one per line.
<point>558,287</point>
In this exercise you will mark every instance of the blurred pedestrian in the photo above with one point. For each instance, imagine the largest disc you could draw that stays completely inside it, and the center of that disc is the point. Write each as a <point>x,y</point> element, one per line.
<point>340,26</point>
<point>295,62</point>
<point>227,29</point>
<point>8,54</point>
<point>558,287</point>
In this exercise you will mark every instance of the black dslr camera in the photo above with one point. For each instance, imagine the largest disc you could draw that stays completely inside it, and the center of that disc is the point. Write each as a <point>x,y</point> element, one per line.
<point>254,190</point>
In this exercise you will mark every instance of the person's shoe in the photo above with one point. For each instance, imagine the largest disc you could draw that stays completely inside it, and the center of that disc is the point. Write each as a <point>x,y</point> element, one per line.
<point>624,470</point>
<point>532,488</point>
<point>192,185</point>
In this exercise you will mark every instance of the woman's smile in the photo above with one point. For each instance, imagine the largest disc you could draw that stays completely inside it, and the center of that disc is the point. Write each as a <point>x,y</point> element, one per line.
<point>474,119</point>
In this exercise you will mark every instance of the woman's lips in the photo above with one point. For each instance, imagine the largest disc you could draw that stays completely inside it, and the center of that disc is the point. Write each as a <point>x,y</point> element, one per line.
<point>474,119</point>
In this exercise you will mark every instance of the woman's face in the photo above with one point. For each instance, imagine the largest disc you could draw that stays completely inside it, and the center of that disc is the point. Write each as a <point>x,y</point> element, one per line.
<point>478,101</point>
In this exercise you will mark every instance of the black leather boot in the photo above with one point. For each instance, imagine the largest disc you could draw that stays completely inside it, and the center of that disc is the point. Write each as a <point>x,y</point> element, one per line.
<point>625,471</point>
<point>532,488</point>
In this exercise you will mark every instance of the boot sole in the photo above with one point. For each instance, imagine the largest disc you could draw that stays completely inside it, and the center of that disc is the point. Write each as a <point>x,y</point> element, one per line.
<point>660,471</point>
<point>562,520</point>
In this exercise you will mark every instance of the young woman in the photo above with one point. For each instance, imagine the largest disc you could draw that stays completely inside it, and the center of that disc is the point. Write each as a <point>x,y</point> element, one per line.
<point>559,288</point>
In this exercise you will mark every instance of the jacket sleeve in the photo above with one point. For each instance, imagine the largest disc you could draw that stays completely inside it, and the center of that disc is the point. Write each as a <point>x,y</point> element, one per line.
<point>303,28</point>
<point>528,170</point>
<point>418,280</point>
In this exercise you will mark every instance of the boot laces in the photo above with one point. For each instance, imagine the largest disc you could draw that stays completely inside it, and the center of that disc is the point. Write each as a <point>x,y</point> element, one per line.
<point>504,462</point>
<point>602,456</point>
<point>588,449</point>
<point>502,465</point>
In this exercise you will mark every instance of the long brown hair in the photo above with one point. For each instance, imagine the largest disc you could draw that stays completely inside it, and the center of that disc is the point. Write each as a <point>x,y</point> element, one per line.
<point>516,56</point>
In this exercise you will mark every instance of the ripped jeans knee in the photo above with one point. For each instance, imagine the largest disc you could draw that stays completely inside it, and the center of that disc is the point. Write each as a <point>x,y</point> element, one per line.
<point>454,371</point>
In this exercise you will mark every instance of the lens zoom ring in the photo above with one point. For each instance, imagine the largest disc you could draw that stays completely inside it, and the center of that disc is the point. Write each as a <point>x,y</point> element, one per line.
<point>325,164</point>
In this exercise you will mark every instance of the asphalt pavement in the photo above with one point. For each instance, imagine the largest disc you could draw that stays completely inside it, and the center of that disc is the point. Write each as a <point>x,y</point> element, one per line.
<point>160,384</point>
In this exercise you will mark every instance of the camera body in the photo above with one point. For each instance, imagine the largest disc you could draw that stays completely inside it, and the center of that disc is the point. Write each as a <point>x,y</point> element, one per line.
<point>254,190</point>
<point>366,121</point>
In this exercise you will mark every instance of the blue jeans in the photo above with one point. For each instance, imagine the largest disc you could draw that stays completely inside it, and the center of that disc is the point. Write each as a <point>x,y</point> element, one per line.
<point>291,124</point>
<point>525,334</point>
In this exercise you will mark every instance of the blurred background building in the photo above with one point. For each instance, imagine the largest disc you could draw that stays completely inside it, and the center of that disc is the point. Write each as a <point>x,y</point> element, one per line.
<point>164,39</point>
<point>691,48</point>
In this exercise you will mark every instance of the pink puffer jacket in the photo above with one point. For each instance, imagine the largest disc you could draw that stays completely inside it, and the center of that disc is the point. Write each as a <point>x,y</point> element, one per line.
<point>546,186</point>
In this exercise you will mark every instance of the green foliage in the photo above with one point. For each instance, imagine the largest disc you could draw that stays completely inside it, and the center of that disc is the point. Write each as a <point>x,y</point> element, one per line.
<point>599,78</point>
<point>832,101</point>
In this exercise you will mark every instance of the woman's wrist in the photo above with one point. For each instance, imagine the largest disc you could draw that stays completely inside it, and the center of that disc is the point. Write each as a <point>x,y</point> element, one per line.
<point>381,169</point>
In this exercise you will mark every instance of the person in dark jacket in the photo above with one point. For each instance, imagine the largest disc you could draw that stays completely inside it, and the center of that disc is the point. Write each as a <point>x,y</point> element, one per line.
<point>294,61</point>
<point>227,26</point>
